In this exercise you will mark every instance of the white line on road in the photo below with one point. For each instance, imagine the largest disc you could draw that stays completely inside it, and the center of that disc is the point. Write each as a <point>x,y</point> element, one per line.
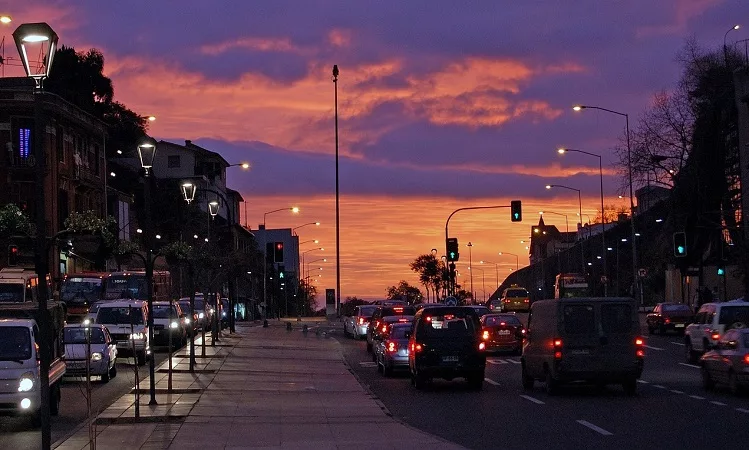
<point>697,397</point>
<point>679,343</point>
<point>718,403</point>
<point>490,381</point>
<point>531,399</point>
<point>677,391</point>
<point>513,361</point>
<point>368,364</point>
<point>652,348</point>
<point>595,428</point>
<point>690,365</point>
<point>742,410</point>
<point>642,381</point>
<point>659,386</point>
<point>496,361</point>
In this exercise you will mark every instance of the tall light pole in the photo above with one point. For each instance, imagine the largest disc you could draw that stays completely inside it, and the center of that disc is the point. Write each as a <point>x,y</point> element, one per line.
<point>517,259</point>
<point>470,263</point>
<point>147,152</point>
<point>40,34</point>
<point>635,276</point>
<point>483,279</point>
<point>605,280</point>
<point>294,210</point>
<point>725,46</point>
<point>293,230</point>
<point>579,214</point>
<point>496,270</point>
<point>337,201</point>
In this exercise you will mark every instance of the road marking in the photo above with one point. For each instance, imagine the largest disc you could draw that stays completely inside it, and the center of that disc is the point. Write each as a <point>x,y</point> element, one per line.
<point>717,403</point>
<point>742,410</point>
<point>642,381</point>
<point>659,386</point>
<point>697,397</point>
<point>652,348</point>
<point>490,381</point>
<point>368,364</point>
<point>690,365</point>
<point>496,361</point>
<point>513,361</point>
<point>679,343</point>
<point>531,399</point>
<point>595,428</point>
<point>677,391</point>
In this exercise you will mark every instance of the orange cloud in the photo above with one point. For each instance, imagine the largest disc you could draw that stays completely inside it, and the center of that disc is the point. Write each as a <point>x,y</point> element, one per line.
<point>259,44</point>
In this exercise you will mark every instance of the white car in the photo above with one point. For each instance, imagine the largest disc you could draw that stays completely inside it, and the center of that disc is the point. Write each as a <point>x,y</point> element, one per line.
<point>103,353</point>
<point>710,324</point>
<point>168,324</point>
<point>127,322</point>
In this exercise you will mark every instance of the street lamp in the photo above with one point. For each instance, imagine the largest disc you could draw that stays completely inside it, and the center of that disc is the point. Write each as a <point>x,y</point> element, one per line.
<point>147,152</point>
<point>244,165</point>
<point>213,206</point>
<point>188,191</point>
<point>517,259</point>
<point>470,258</point>
<point>293,230</point>
<point>311,240</point>
<point>562,151</point>
<point>293,209</point>
<point>337,200</point>
<point>40,33</point>
<point>5,19</point>
<point>496,270</point>
<point>725,47</point>
<point>483,279</point>
<point>566,221</point>
<point>580,214</point>
<point>631,188</point>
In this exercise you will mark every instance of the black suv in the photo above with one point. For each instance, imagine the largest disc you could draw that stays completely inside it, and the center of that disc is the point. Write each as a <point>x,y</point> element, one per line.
<point>445,343</point>
<point>385,311</point>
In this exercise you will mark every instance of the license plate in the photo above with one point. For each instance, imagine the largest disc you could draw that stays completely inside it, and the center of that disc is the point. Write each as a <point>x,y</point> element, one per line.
<point>450,359</point>
<point>504,332</point>
<point>678,325</point>
<point>580,352</point>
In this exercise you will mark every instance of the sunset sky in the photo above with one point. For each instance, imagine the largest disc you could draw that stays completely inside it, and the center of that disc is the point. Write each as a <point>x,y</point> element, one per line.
<point>441,106</point>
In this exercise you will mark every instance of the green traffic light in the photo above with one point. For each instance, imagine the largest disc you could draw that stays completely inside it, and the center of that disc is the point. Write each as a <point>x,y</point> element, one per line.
<point>721,271</point>
<point>680,249</point>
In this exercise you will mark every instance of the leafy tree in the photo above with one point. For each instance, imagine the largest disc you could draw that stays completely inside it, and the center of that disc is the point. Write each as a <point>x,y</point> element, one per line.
<point>348,305</point>
<point>411,294</point>
<point>431,273</point>
<point>14,222</point>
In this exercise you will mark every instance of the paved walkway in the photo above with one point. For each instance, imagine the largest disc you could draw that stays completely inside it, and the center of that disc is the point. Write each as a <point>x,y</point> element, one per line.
<point>257,388</point>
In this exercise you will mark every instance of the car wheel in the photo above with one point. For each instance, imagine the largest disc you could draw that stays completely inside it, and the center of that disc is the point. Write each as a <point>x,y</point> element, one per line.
<point>690,354</point>
<point>113,371</point>
<point>707,381</point>
<point>527,379</point>
<point>662,330</point>
<point>54,400</point>
<point>552,385</point>
<point>630,386</point>
<point>733,383</point>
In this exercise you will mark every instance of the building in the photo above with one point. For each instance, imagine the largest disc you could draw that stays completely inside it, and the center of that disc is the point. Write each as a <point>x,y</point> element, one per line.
<point>547,240</point>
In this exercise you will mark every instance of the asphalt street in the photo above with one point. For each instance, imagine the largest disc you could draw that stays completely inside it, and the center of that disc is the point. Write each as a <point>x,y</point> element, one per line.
<point>670,411</point>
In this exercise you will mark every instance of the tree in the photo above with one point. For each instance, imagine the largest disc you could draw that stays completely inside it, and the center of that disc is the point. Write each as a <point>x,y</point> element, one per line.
<point>348,305</point>
<point>410,294</point>
<point>431,273</point>
<point>612,213</point>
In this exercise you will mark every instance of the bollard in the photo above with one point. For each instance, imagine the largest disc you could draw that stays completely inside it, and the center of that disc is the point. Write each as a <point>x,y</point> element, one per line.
<point>288,326</point>
<point>304,329</point>
<point>265,323</point>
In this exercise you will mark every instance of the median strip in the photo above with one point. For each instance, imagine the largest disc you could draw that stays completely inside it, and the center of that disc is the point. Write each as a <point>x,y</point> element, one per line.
<point>697,397</point>
<point>642,382</point>
<point>679,343</point>
<point>531,399</point>
<point>658,386</point>
<point>742,410</point>
<point>717,403</point>
<point>675,391</point>
<point>595,428</point>
<point>490,381</point>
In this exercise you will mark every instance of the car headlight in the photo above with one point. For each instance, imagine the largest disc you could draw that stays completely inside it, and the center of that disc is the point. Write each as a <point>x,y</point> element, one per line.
<point>26,382</point>
<point>136,336</point>
<point>187,321</point>
<point>201,315</point>
<point>223,313</point>
<point>174,325</point>
<point>212,310</point>
<point>96,356</point>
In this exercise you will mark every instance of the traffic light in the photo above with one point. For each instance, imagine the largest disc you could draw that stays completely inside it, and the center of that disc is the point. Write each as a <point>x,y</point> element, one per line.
<point>278,252</point>
<point>721,271</point>
<point>452,249</point>
<point>281,272</point>
<point>12,255</point>
<point>680,244</point>
<point>516,212</point>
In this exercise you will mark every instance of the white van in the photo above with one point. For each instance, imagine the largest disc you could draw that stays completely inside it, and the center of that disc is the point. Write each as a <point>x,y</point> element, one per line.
<point>710,324</point>
<point>127,322</point>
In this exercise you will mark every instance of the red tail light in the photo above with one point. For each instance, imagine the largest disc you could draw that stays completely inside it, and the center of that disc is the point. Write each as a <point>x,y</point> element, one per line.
<point>526,301</point>
<point>557,343</point>
<point>640,353</point>
<point>416,348</point>
<point>384,328</point>
<point>391,346</point>
<point>557,348</point>
<point>507,300</point>
<point>667,320</point>
<point>639,341</point>
<point>502,323</point>
<point>746,358</point>
<point>557,355</point>
<point>361,320</point>
<point>522,330</point>
<point>398,309</point>
<point>485,335</point>
<point>715,335</point>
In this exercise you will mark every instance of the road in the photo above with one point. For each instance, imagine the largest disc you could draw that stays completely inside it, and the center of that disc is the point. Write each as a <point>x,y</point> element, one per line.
<point>16,432</point>
<point>670,411</point>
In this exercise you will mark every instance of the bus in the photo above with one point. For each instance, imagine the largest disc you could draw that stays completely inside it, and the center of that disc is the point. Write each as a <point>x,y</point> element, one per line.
<point>132,285</point>
<point>80,291</point>
<point>569,285</point>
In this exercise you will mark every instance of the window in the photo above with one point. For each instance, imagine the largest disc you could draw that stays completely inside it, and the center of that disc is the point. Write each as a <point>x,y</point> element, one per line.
<point>15,344</point>
<point>77,335</point>
<point>367,311</point>
<point>516,293</point>
<point>579,319</point>
<point>616,318</point>
<point>733,316</point>
<point>172,162</point>
<point>496,320</point>
<point>23,136</point>
<point>120,315</point>
<point>448,325</point>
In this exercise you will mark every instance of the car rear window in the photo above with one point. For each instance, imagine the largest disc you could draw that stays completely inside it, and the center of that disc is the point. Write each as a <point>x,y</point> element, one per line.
<point>398,311</point>
<point>730,315</point>
<point>367,311</point>
<point>448,325</point>
<point>579,319</point>
<point>616,318</point>
<point>119,315</point>
<point>497,320</point>
<point>516,293</point>
<point>399,332</point>
<point>676,308</point>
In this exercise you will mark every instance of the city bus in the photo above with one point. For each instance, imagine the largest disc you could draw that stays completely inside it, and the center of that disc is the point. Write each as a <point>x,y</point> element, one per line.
<point>80,291</point>
<point>132,285</point>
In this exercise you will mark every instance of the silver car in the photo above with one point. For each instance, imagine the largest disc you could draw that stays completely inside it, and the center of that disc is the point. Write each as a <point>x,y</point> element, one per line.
<point>391,353</point>
<point>728,363</point>
<point>357,324</point>
<point>102,356</point>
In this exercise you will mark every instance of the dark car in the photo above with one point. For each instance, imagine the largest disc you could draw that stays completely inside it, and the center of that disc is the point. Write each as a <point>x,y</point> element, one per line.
<point>385,311</point>
<point>391,353</point>
<point>669,317</point>
<point>481,310</point>
<point>446,343</point>
<point>381,332</point>
<point>502,333</point>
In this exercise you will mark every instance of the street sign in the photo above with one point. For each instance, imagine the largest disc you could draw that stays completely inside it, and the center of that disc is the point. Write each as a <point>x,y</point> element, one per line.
<point>642,272</point>
<point>451,301</point>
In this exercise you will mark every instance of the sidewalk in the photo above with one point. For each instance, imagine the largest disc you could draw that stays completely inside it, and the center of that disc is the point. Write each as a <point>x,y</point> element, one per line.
<point>258,388</point>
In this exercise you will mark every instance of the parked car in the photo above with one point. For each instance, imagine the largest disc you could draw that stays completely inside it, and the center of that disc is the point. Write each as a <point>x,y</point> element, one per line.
<point>669,317</point>
<point>356,324</point>
<point>728,363</point>
<point>385,311</point>
<point>445,343</point>
<point>127,322</point>
<point>710,324</point>
<point>168,324</point>
<point>391,353</point>
<point>502,333</point>
<point>102,356</point>
<point>585,339</point>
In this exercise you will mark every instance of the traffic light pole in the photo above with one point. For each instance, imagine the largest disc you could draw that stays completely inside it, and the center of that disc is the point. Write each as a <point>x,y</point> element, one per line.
<point>447,235</point>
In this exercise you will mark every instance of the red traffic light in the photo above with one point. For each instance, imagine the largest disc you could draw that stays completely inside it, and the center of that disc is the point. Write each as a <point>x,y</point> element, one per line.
<point>12,255</point>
